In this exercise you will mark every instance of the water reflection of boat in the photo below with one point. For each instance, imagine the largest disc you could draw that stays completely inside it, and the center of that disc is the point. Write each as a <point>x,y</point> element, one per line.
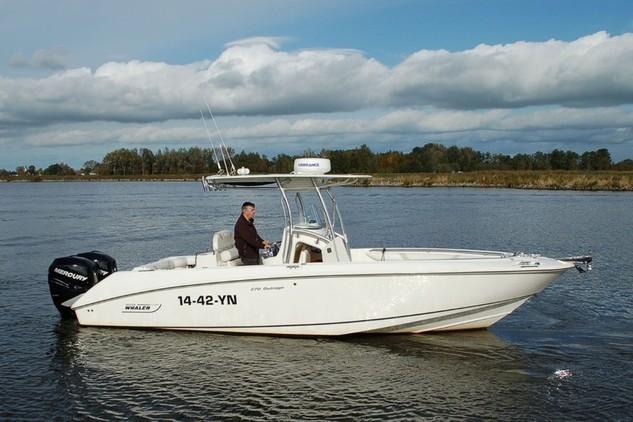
<point>313,282</point>
<point>481,349</point>
<point>480,344</point>
<point>133,374</point>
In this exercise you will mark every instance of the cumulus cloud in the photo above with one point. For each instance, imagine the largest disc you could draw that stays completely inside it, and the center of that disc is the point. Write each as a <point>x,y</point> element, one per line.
<point>493,89</point>
<point>56,58</point>
<point>244,80</point>
<point>590,71</point>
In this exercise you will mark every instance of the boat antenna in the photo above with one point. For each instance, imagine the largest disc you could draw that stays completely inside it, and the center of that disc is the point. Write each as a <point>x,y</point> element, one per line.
<point>222,144</point>
<point>215,154</point>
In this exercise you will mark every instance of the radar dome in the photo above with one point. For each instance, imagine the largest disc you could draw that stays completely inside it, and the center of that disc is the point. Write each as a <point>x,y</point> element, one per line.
<point>312,166</point>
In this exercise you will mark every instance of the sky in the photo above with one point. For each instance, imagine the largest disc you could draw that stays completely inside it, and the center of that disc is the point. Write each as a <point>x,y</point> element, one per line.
<point>79,79</point>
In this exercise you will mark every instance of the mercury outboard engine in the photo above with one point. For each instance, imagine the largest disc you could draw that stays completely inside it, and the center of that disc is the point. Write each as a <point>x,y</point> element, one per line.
<point>73,275</point>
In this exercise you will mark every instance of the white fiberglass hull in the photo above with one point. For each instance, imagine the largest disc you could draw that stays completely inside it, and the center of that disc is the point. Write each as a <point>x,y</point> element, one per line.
<point>318,299</point>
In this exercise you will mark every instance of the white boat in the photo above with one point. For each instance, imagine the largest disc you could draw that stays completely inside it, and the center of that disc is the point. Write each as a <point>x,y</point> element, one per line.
<point>312,283</point>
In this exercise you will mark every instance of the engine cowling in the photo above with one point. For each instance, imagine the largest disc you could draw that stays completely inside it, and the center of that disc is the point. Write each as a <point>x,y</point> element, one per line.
<point>106,264</point>
<point>74,275</point>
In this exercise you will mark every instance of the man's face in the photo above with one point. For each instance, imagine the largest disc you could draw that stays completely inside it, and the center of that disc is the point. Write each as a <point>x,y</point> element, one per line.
<point>249,212</point>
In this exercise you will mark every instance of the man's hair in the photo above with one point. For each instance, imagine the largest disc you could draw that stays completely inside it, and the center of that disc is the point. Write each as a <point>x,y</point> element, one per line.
<point>246,205</point>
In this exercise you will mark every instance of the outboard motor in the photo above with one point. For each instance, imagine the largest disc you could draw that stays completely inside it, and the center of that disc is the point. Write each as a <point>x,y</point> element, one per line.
<point>106,264</point>
<point>71,276</point>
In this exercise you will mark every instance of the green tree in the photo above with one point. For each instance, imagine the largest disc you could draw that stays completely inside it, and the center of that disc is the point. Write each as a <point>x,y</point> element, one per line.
<point>391,162</point>
<point>624,165</point>
<point>596,160</point>
<point>253,161</point>
<point>282,163</point>
<point>541,161</point>
<point>364,160</point>
<point>430,158</point>
<point>90,166</point>
<point>558,160</point>
<point>522,162</point>
<point>468,159</point>
<point>572,160</point>
<point>59,169</point>
<point>122,162</point>
<point>147,161</point>
<point>602,159</point>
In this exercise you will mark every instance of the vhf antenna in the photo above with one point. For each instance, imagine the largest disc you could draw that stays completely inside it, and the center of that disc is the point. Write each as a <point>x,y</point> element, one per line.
<point>222,144</point>
<point>215,154</point>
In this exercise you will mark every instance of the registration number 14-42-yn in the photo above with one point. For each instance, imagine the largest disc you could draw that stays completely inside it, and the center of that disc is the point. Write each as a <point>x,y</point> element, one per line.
<point>208,300</point>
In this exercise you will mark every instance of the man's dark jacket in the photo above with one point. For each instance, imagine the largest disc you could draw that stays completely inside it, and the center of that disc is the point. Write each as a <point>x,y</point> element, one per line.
<point>247,241</point>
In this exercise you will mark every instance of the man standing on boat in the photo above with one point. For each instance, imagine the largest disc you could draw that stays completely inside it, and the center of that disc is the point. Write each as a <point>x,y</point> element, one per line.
<point>247,241</point>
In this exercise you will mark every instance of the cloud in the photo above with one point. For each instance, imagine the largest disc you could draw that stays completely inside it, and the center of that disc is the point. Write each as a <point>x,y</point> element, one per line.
<point>542,124</point>
<point>492,89</point>
<point>608,124</point>
<point>19,60</point>
<point>128,134</point>
<point>244,80</point>
<point>272,42</point>
<point>590,71</point>
<point>56,58</point>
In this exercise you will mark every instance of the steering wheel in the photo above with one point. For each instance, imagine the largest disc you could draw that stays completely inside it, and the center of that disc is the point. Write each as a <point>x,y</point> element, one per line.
<point>274,247</point>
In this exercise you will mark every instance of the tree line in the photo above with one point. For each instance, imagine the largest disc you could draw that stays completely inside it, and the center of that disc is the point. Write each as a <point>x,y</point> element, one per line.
<point>430,158</point>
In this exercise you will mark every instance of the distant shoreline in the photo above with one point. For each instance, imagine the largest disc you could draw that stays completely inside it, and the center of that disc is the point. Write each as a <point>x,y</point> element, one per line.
<point>546,180</point>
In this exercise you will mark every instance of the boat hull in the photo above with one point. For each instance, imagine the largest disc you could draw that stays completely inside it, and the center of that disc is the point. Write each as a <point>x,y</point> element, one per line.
<point>320,300</point>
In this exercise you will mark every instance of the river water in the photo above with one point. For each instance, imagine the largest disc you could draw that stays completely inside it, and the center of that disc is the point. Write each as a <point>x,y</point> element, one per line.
<point>566,354</point>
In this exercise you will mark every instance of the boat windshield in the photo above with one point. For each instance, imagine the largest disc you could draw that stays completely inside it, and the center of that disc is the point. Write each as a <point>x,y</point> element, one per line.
<point>305,214</point>
<point>313,213</point>
<point>313,210</point>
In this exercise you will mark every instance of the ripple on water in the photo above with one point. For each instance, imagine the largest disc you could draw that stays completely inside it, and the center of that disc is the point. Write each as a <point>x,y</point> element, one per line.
<point>55,369</point>
<point>171,375</point>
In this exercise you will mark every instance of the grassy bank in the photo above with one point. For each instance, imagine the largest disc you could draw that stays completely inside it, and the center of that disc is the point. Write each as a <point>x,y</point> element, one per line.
<point>563,180</point>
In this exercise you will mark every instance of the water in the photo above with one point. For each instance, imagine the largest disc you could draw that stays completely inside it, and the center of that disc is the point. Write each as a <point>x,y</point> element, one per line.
<point>566,354</point>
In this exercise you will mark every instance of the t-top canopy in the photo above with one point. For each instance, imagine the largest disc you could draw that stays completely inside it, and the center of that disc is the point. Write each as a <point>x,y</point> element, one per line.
<point>308,174</point>
<point>286,181</point>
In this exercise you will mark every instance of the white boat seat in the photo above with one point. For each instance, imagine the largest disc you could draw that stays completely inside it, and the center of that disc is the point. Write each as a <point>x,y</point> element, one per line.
<point>304,256</point>
<point>177,262</point>
<point>224,248</point>
<point>229,254</point>
<point>170,263</point>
